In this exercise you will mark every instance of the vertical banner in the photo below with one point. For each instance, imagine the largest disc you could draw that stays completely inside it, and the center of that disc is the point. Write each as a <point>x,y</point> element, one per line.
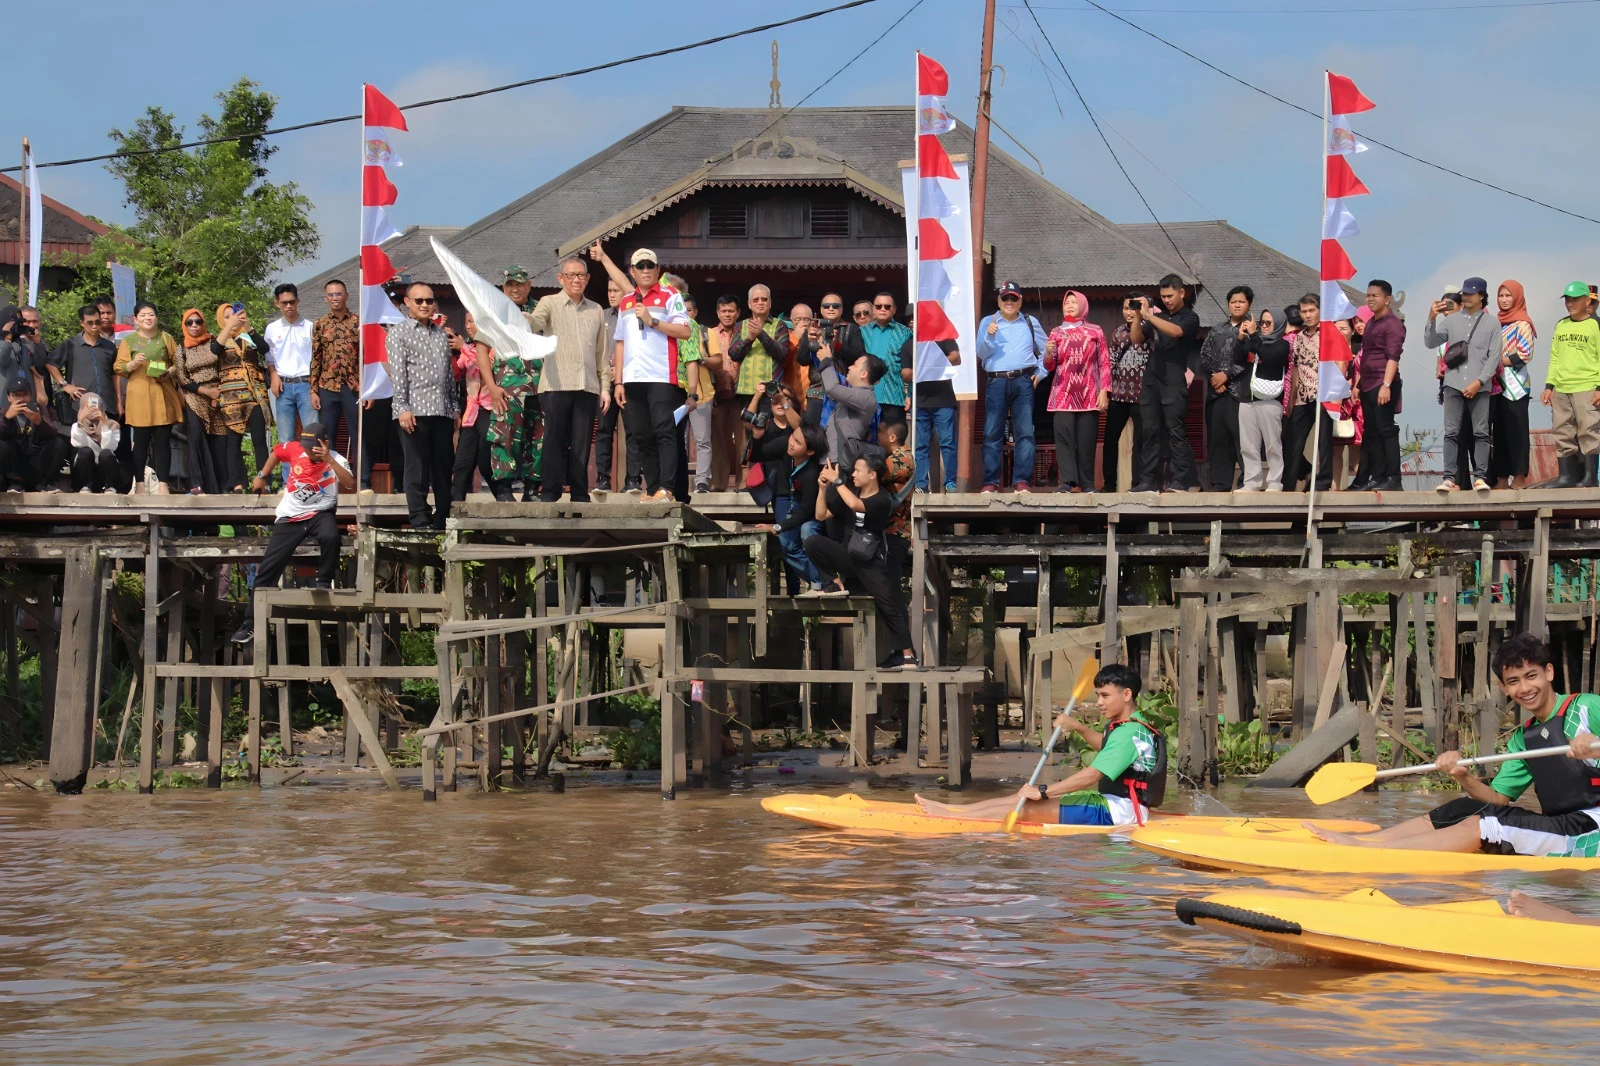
<point>379,118</point>
<point>1341,99</point>
<point>35,230</point>
<point>124,291</point>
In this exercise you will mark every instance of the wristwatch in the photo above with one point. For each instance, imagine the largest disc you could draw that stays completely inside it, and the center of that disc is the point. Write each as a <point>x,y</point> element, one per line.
<point>1044,792</point>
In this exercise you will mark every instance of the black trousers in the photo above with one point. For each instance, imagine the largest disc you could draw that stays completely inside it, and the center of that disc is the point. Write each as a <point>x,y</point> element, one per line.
<point>881,582</point>
<point>341,406</point>
<point>1075,436</point>
<point>605,441</point>
<point>1163,405</point>
<point>152,446</point>
<point>472,454</point>
<point>380,444</point>
<point>1222,441</point>
<point>1118,415</point>
<point>257,426</point>
<point>429,453</point>
<point>652,435</point>
<point>33,468</point>
<point>205,455</point>
<point>286,537</point>
<point>1508,431</point>
<point>1380,435</point>
<point>97,472</point>
<point>1296,431</point>
<point>568,427</point>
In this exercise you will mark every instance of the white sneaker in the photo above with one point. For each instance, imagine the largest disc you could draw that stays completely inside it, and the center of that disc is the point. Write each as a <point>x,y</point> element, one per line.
<point>86,492</point>
<point>1276,486</point>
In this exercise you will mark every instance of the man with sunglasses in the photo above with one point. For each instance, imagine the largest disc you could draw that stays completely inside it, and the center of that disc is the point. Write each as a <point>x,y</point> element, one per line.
<point>830,328</point>
<point>890,341</point>
<point>424,405</point>
<point>651,321</point>
<point>289,342</point>
<point>1011,348</point>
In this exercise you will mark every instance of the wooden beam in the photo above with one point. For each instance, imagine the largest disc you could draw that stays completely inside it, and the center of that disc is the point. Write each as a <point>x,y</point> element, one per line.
<point>77,673</point>
<point>1537,588</point>
<point>1316,748</point>
<point>1330,685</point>
<point>358,714</point>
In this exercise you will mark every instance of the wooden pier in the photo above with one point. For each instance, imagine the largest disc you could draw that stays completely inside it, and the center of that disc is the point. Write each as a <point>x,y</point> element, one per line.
<point>536,614</point>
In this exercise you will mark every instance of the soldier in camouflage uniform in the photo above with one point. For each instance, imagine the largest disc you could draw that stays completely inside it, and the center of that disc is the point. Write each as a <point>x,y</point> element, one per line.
<point>529,434</point>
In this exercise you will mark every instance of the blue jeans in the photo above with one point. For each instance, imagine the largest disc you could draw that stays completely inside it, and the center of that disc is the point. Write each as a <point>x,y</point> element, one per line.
<point>940,420</point>
<point>795,559</point>
<point>295,399</point>
<point>1003,396</point>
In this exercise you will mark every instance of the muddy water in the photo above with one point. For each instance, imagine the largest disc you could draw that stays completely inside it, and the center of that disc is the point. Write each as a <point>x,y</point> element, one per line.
<point>317,926</point>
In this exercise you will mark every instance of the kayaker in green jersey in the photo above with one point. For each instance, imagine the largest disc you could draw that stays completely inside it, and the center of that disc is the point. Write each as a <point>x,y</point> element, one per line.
<point>1568,787</point>
<point>1126,778</point>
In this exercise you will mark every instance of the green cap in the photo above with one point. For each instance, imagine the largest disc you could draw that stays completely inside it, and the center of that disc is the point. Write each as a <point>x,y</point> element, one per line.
<point>1577,288</point>
<point>516,273</point>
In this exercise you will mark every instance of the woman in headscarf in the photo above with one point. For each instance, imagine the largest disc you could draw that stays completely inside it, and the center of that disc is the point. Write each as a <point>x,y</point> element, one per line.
<point>1508,405</point>
<point>1130,351</point>
<point>151,406</point>
<point>1261,420</point>
<point>472,449</point>
<point>1076,351</point>
<point>94,438</point>
<point>205,434</point>
<point>240,353</point>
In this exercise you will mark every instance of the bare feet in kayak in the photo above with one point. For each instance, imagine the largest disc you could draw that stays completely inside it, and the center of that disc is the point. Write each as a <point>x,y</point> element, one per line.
<point>933,807</point>
<point>1328,836</point>
<point>1525,906</point>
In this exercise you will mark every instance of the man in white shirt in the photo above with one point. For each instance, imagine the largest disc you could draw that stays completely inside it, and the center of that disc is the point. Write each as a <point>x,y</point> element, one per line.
<point>289,364</point>
<point>651,321</point>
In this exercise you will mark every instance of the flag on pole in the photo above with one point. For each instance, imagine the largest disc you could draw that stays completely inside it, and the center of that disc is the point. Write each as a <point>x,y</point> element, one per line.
<point>1343,99</point>
<point>940,238</point>
<point>1342,181</point>
<point>379,119</point>
<point>35,228</point>
<point>1341,139</point>
<point>1337,221</point>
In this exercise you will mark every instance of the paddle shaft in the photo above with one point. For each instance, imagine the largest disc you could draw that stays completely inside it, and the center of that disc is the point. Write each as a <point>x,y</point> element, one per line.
<point>1055,735</point>
<point>1482,760</point>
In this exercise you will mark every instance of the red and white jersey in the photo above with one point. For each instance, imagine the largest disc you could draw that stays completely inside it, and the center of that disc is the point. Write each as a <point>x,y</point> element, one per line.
<point>649,354</point>
<point>308,486</point>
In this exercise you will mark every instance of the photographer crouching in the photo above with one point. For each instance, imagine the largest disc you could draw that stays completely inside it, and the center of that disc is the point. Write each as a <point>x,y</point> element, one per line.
<point>790,453</point>
<point>31,448</point>
<point>314,476</point>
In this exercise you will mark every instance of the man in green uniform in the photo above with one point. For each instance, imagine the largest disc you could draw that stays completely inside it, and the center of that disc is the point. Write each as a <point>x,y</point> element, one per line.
<point>527,454</point>
<point>1118,787</point>
<point>1568,821</point>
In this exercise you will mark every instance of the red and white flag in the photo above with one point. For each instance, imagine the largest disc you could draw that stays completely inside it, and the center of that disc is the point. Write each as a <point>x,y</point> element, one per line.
<point>941,236</point>
<point>1341,100</point>
<point>379,119</point>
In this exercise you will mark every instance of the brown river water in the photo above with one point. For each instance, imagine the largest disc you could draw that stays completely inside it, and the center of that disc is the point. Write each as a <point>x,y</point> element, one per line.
<point>301,925</point>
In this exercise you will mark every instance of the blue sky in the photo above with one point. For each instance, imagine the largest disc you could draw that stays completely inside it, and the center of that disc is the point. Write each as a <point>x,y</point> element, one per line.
<point>1496,92</point>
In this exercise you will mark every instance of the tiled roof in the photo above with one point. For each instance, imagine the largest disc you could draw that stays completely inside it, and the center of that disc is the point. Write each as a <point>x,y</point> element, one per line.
<point>410,253</point>
<point>66,232</point>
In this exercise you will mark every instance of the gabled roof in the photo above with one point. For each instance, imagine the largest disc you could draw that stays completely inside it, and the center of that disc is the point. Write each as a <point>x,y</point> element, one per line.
<point>410,253</point>
<point>1226,256</point>
<point>1041,236</point>
<point>66,232</point>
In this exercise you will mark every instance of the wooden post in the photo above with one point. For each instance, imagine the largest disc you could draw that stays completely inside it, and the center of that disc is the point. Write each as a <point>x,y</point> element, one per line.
<point>77,672</point>
<point>150,652</point>
<point>1400,629</point>
<point>1043,693</point>
<point>1111,643</point>
<point>958,769</point>
<point>1537,587</point>
<point>491,763</point>
<point>1232,679</point>
<point>285,716</point>
<point>1427,694</point>
<point>1193,758</point>
<point>1446,655</point>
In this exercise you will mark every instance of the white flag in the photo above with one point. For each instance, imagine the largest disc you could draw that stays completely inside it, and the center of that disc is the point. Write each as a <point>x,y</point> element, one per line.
<point>377,150</point>
<point>1341,139</point>
<point>1337,221</point>
<point>376,227</point>
<point>499,321</point>
<point>35,228</point>
<point>1335,304</point>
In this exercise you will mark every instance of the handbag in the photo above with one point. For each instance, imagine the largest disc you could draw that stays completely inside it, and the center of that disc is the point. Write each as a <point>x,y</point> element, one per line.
<point>1263,389</point>
<point>1455,353</point>
<point>864,547</point>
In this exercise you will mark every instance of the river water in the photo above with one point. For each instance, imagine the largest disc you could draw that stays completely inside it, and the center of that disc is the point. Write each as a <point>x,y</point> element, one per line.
<point>327,926</point>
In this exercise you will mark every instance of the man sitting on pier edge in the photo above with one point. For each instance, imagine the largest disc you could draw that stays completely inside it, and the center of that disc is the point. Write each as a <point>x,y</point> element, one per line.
<point>1568,786</point>
<point>315,475</point>
<point>1119,787</point>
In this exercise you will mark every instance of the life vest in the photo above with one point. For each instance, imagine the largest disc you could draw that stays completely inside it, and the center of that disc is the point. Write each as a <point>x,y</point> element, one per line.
<point>1146,788</point>
<point>1563,783</point>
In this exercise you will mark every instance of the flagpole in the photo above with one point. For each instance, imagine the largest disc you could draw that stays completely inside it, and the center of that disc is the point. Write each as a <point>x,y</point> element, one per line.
<point>916,251</point>
<point>361,364</point>
<point>1318,411</point>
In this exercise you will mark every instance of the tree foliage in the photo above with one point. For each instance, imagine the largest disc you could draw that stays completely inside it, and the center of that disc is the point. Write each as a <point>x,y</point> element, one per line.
<point>208,226</point>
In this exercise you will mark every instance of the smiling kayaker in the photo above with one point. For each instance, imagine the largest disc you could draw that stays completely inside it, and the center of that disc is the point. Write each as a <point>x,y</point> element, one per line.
<point>1568,787</point>
<point>1132,761</point>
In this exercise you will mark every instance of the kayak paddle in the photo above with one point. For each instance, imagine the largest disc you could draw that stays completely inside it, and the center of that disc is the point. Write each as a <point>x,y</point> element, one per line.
<point>1081,688</point>
<point>1340,779</point>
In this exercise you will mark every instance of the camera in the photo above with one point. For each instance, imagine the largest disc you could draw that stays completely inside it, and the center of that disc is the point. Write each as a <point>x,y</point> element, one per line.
<point>757,419</point>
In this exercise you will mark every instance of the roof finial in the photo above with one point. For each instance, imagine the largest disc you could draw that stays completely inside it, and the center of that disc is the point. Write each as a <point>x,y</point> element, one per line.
<point>775,101</point>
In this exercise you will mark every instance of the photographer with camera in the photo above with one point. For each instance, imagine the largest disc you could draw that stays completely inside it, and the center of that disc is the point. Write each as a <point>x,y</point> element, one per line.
<point>831,330</point>
<point>31,359</point>
<point>849,402</point>
<point>1471,357</point>
<point>789,453</point>
<point>1174,360</point>
<point>31,449</point>
<point>92,443</point>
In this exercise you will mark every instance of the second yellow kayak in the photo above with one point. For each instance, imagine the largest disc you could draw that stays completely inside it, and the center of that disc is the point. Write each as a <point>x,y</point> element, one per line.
<point>1366,927</point>
<point>1282,846</point>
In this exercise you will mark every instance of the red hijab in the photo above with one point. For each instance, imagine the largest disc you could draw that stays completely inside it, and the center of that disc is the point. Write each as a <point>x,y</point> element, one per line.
<point>1083,306</point>
<point>1519,306</point>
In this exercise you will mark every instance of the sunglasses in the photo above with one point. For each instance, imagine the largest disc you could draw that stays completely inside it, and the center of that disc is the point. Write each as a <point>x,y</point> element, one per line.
<point>883,307</point>
<point>863,313</point>
<point>287,303</point>
<point>420,300</point>
<point>648,264</point>
<point>1010,299</point>
<point>833,307</point>
<point>194,322</point>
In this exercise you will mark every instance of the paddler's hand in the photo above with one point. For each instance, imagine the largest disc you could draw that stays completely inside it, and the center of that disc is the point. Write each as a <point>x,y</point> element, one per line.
<point>1585,746</point>
<point>1068,724</point>
<point>1450,763</point>
<point>1029,793</point>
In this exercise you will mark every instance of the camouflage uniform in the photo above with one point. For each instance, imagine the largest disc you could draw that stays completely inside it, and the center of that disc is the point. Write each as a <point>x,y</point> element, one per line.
<point>513,436</point>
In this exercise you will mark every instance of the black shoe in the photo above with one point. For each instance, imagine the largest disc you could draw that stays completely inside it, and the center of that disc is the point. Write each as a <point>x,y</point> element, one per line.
<point>421,522</point>
<point>1590,466</point>
<point>1571,472</point>
<point>245,633</point>
<point>532,496</point>
<point>1388,484</point>
<point>321,584</point>
<point>1360,484</point>
<point>1144,486</point>
<point>900,661</point>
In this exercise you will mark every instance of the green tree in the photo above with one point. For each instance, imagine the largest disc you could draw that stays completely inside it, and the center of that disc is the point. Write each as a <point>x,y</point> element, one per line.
<point>208,227</point>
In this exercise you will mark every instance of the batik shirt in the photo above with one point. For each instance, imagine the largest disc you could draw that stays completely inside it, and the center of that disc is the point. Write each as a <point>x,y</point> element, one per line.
<point>335,352</point>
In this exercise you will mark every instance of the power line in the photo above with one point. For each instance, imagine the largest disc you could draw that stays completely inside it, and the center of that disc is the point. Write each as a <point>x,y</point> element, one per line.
<point>1318,116</point>
<point>1449,8</point>
<point>1107,142</point>
<point>479,92</point>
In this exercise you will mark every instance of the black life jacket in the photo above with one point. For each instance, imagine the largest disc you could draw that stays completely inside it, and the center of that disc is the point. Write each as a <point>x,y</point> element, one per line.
<point>1563,783</point>
<point>1147,788</point>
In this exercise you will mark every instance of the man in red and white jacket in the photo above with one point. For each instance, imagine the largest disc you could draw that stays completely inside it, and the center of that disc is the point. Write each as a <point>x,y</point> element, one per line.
<point>651,320</point>
<point>313,476</point>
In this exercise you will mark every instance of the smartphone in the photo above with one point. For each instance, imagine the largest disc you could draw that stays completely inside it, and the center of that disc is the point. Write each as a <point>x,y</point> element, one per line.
<point>237,308</point>
<point>438,320</point>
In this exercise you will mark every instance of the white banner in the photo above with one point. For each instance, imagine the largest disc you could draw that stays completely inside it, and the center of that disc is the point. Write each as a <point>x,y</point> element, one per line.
<point>35,229</point>
<point>124,291</point>
<point>951,285</point>
<point>499,321</point>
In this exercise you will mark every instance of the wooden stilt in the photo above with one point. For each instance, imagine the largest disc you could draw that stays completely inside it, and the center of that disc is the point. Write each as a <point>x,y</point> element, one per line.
<point>150,652</point>
<point>77,685</point>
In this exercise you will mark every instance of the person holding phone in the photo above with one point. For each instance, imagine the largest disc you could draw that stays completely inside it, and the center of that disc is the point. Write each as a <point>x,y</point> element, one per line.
<point>314,475</point>
<point>1164,395</point>
<point>92,443</point>
<point>1129,353</point>
<point>31,448</point>
<point>1471,341</point>
<point>245,402</point>
<point>146,358</point>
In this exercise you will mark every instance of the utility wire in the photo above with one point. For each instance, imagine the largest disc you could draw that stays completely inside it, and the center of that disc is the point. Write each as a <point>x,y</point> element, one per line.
<point>1114,158</point>
<point>1446,9</point>
<point>480,92</point>
<point>1318,116</point>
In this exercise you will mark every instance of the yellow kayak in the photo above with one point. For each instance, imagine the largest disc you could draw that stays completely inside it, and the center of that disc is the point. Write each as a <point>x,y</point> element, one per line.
<point>1367,927</point>
<point>1276,846</point>
<point>852,812</point>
